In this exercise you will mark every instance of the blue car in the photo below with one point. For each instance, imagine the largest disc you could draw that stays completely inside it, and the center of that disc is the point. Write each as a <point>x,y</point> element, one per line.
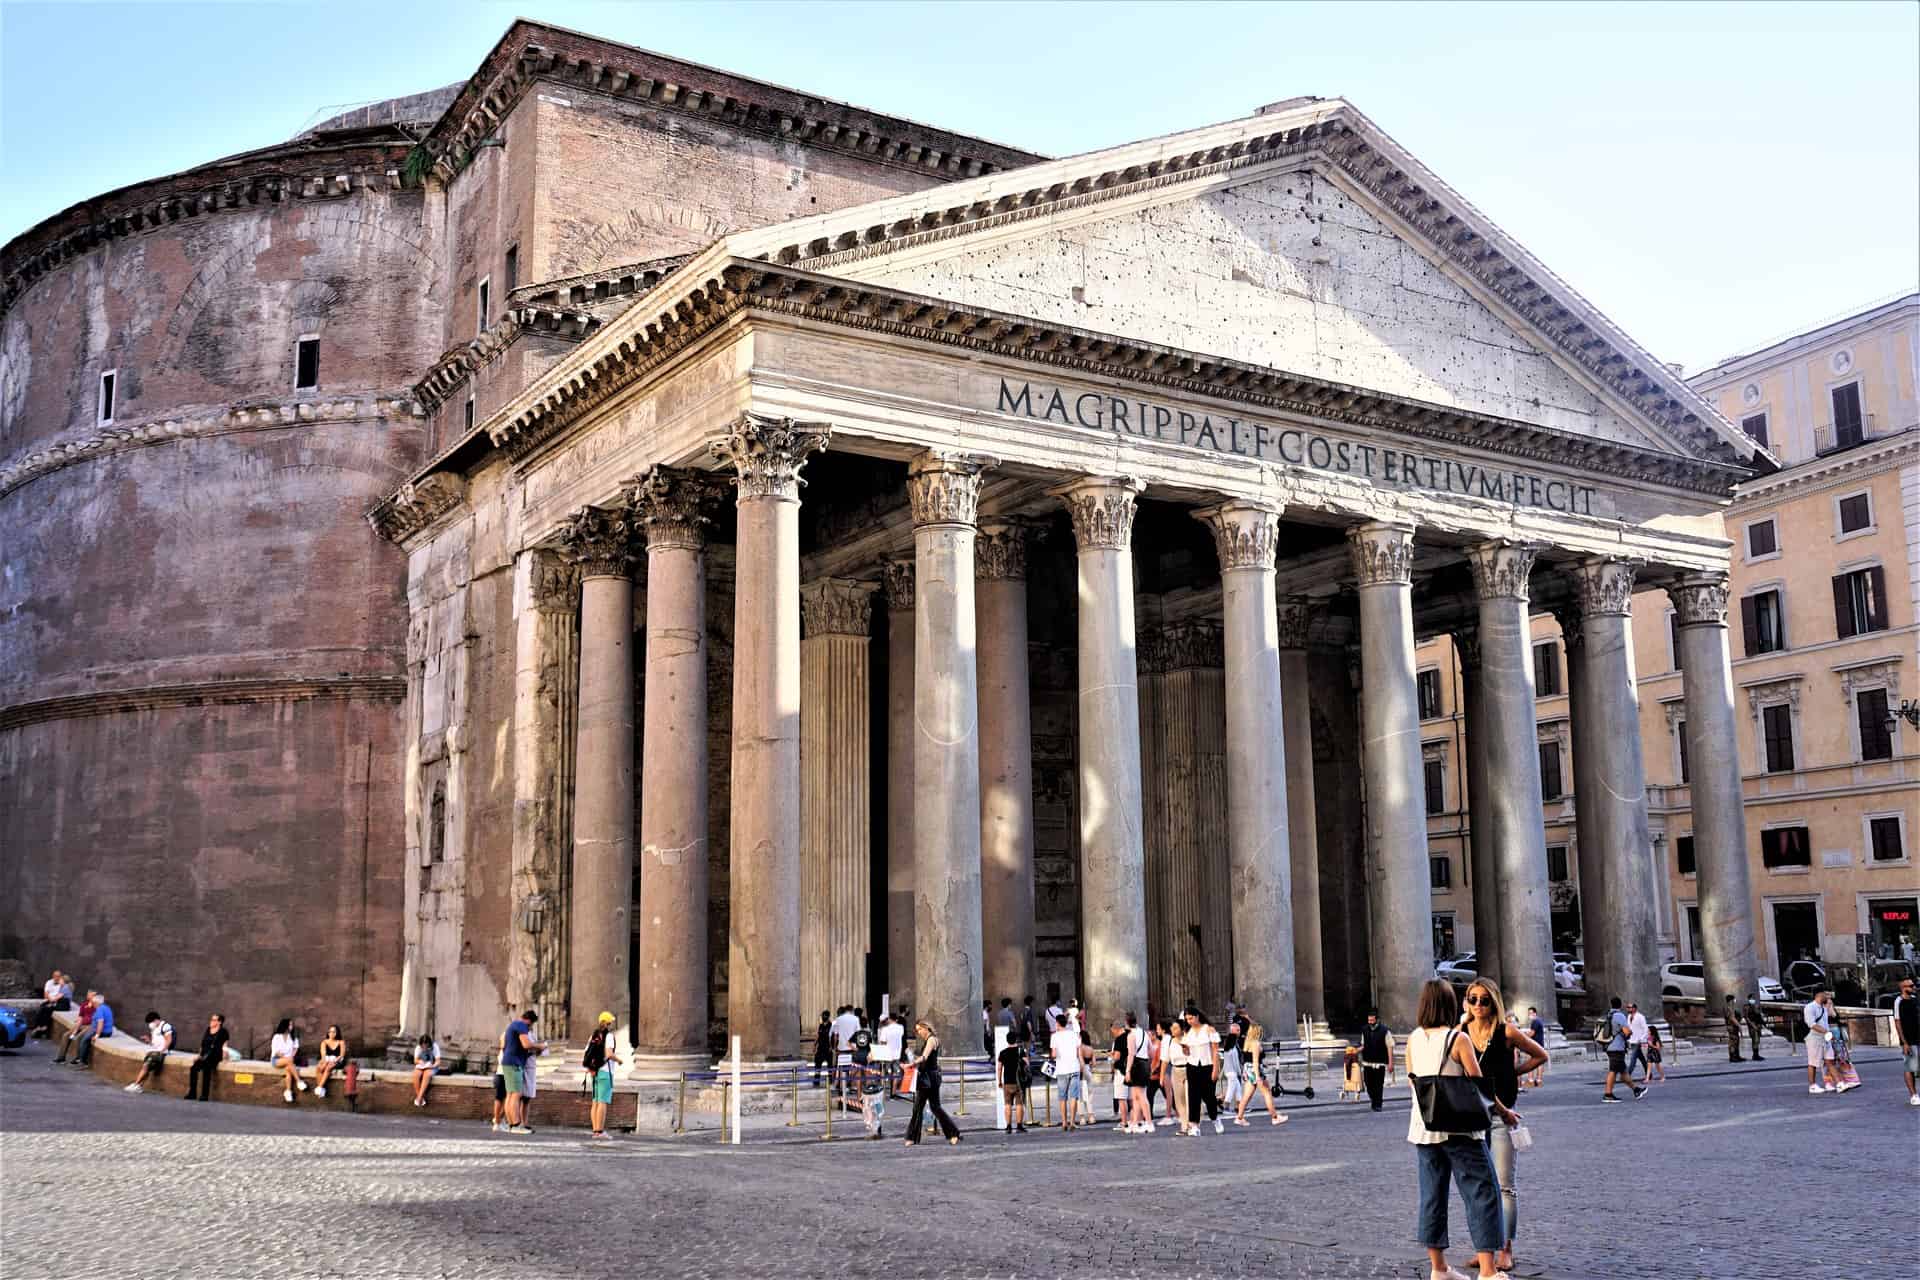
<point>13,1028</point>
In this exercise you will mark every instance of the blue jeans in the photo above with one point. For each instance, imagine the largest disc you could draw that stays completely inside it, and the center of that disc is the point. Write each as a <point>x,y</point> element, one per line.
<point>1464,1160</point>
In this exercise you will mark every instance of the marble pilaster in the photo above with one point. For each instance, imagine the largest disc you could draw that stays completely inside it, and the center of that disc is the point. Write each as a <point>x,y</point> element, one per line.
<point>763,995</point>
<point>835,798</point>
<point>1513,812</point>
<point>945,492</point>
<point>1401,938</point>
<point>1295,615</point>
<point>546,676</point>
<point>1006,759</point>
<point>898,589</point>
<point>1112,897</point>
<point>1729,950</point>
<point>1614,816</point>
<point>1261,878</point>
<point>601,543</point>
<point>671,1023</point>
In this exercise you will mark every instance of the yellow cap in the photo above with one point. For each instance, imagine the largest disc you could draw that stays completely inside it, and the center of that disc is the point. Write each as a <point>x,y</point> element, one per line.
<point>605,1016</point>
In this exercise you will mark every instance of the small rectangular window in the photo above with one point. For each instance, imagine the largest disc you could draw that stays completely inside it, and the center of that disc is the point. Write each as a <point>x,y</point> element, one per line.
<point>1785,847</point>
<point>1876,735</point>
<point>1776,723</point>
<point>1761,539</point>
<point>1683,855</point>
<point>1441,872</point>
<point>1885,833</point>
<point>1856,513</point>
<point>1429,690</point>
<point>306,364</point>
<point>107,383</point>
<point>511,271</point>
<point>1436,785</point>
<point>1546,669</point>
<point>1673,639</point>
<point>485,312</point>
<point>1680,737</point>
<point>1557,863</point>
<point>1755,425</point>
<point>1860,602</point>
<point>1762,623</point>
<point>469,413</point>
<point>1550,785</point>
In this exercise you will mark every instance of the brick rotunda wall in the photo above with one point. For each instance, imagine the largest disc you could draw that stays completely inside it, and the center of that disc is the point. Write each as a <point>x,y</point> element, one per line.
<point>200,638</point>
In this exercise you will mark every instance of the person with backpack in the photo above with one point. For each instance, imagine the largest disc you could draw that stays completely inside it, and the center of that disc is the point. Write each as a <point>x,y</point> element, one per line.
<point>1611,1033</point>
<point>823,1047</point>
<point>598,1060</point>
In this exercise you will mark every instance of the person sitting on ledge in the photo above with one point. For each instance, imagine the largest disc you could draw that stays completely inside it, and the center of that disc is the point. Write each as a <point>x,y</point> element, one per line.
<point>333,1055</point>
<point>285,1054</point>
<point>206,1064</point>
<point>83,1019</point>
<point>426,1061</point>
<point>159,1044</point>
<point>58,993</point>
<point>100,1028</point>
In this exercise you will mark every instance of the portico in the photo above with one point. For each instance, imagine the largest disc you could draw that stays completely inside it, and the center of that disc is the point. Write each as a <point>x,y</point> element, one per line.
<point>984,502</point>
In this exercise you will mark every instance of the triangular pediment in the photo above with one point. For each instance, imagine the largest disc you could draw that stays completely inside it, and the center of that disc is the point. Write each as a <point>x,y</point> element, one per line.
<point>1306,242</point>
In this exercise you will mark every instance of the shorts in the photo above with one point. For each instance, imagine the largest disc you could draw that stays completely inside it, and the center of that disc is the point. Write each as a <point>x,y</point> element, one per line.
<point>156,1061</point>
<point>1137,1075</point>
<point>512,1077</point>
<point>527,1082</point>
<point>1011,1092</point>
<point>1818,1049</point>
<point>1069,1086</point>
<point>1617,1061</point>
<point>1910,1056</point>
<point>499,1087</point>
<point>603,1085</point>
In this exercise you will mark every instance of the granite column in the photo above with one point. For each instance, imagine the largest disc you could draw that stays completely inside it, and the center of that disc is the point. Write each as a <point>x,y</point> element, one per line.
<point>1482,849</point>
<point>1303,821</point>
<point>898,585</point>
<point>1006,759</point>
<point>546,676</point>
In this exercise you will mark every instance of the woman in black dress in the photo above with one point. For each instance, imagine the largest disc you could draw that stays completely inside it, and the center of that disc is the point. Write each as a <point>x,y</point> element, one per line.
<point>926,1089</point>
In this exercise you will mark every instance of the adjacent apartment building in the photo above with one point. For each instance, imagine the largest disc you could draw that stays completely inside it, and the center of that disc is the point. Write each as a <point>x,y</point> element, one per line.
<point>1825,638</point>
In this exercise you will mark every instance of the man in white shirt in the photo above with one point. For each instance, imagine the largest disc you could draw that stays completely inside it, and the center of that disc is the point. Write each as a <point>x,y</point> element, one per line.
<point>1055,1017</point>
<point>844,1025</point>
<point>1063,1046</point>
<point>888,1043</point>
<point>1638,1035</point>
<point>1819,1018</point>
<point>159,1042</point>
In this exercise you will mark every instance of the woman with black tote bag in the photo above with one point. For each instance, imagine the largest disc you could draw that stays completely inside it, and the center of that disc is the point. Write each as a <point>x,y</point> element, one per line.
<point>1448,1130</point>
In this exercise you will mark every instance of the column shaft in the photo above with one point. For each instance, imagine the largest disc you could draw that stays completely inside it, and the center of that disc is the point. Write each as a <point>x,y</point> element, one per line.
<point>1196,892</point>
<point>1112,893</point>
<point>1262,872</point>
<point>671,1021</point>
<point>1401,899</point>
<point>1156,850</point>
<point>1006,760</point>
<point>1481,846</point>
<point>545,689</point>
<point>900,735</point>
<point>1730,952</point>
<point>1513,815</point>
<point>1590,867</point>
<point>1618,806</point>
<point>602,908</point>
<point>835,806</point>
<point>945,494</point>
<point>763,995</point>
<point>1303,820</point>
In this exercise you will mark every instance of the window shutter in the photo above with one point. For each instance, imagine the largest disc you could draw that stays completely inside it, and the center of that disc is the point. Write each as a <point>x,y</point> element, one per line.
<point>1877,599</point>
<point>1842,608</point>
<point>1749,625</point>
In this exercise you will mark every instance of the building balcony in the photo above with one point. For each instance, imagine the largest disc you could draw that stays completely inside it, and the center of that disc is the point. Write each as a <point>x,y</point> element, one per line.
<point>1838,437</point>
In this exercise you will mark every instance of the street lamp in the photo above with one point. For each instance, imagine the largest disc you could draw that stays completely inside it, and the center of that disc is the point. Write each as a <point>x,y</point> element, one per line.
<point>1909,711</point>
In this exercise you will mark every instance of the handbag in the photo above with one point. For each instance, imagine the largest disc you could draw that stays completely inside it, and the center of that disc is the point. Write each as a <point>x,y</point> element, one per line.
<point>1450,1104</point>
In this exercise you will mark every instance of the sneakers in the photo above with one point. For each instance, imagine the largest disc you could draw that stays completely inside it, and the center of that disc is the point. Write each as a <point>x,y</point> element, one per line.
<point>1638,1092</point>
<point>1019,1128</point>
<point>1169,1120</point>
<point>1846,1086</point>
<point>134,1088</point>
<point>1219,1127</point>
<point>288,1095</point>
<point>1816,1088</point>
<point>1913,1099</point>
<point>1607,1097</point>
<point>302,1084</point>
<point>493,1126</point>
<point>602,1136</point>
<point>319,1091</point>
<point>1242,1123</point>
<point>519,1128</point>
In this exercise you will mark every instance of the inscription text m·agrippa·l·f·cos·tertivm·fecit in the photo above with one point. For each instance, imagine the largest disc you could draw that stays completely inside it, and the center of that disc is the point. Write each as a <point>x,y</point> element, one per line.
<point>1098,411</point>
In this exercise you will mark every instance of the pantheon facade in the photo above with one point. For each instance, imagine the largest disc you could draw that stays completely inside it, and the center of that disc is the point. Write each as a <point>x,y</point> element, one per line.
<point>854,559</point>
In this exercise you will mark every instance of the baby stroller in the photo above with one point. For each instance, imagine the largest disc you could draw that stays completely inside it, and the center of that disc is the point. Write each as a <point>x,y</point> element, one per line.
<point>1352,1085</point>
<point>1843,1058</point>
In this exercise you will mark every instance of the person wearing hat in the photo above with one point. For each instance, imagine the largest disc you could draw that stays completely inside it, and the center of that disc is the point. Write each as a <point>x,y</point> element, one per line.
<point>598,1059</point>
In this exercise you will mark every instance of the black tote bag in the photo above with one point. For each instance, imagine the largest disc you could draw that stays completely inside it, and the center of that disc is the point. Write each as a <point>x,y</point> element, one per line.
<point>1450,1104</point>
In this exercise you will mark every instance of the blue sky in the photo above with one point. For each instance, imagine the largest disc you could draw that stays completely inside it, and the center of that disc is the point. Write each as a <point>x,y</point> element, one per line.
<point>1711,175</point>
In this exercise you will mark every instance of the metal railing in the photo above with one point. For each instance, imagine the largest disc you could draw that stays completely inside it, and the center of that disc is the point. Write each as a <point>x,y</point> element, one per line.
<point>1835,437</point>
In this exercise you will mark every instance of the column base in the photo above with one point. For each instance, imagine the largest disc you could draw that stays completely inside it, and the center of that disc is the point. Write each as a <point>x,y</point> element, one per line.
<point>663,1066</point>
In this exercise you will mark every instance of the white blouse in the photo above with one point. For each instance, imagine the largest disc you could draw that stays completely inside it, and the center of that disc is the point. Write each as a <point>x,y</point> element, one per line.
<point>1425,1047</point>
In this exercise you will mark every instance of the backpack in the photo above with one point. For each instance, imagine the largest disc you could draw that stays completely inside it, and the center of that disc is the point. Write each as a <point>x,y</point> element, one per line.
<point>594,1056</point>
<point>1603,1031</point>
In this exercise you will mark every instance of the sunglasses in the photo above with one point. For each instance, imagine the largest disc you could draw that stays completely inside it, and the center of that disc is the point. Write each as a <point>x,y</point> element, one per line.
<point>1480,1000</point>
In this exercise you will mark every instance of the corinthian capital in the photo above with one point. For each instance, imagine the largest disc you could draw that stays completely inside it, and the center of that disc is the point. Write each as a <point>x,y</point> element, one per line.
<point>1244,533</point>
<point>1102,510</point>
<point>945,488</point>
<point>670,506</point>
<point>1000,552</point>
<point>1382,553</point>
<point>1605,587</point>
<point>1700,599</point>
<point>836,607</point>
<point>600,542</point>
<point>1296,616</point>
<point>555,584</point>
<point>767,454</point>
<point>897,575</point>
<point>1501,568</point>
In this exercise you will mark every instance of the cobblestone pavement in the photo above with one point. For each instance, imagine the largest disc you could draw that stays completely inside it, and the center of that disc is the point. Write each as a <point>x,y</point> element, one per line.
<point>1712,1175</point>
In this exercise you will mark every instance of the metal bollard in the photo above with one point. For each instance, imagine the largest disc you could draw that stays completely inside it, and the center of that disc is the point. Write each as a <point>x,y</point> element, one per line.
<point>680,1106</point>
<point>828,1135</point>
<point>724,1086</point>
<point>1046,1091</point>
<point>963,1087</point>
<point>795,1122</point>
